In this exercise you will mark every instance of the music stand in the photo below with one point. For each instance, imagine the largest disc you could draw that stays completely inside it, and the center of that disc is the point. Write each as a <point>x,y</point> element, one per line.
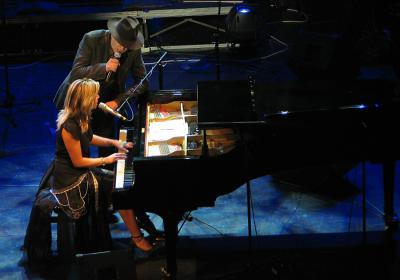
<point>229,103</point>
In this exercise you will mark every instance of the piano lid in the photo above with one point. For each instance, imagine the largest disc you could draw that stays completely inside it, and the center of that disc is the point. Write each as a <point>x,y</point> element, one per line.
<point>226,103</point>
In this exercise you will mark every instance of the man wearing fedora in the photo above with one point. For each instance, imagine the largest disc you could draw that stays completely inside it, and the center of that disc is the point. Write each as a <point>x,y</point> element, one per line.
<point>109,56</point>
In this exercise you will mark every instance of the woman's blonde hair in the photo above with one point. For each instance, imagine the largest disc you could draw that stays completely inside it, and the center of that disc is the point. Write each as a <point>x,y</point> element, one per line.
<point>80,101</point>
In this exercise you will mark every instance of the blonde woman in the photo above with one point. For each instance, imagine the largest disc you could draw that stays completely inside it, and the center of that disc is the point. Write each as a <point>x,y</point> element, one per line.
<point>81,188</point>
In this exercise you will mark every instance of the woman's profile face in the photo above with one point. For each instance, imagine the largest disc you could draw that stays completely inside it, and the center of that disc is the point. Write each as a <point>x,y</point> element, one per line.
<point>96,101</point>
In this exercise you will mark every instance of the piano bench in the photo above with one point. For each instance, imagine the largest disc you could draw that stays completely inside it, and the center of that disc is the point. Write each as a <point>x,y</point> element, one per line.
<point>66,235</point>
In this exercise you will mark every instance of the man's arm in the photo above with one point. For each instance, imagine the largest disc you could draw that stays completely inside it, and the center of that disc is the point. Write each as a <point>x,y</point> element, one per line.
<point>83,66</point>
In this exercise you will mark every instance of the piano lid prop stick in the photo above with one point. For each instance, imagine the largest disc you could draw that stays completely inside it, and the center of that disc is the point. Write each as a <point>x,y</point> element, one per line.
<point>185,137</point>
<point>182,112</point>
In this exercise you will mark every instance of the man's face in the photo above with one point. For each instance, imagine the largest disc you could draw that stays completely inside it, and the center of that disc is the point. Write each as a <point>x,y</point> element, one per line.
<point>117,47</point>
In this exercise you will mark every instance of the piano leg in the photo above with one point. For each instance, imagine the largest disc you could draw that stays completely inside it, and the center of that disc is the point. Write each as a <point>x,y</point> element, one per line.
<point>171,236</point>
<point>391,219</point>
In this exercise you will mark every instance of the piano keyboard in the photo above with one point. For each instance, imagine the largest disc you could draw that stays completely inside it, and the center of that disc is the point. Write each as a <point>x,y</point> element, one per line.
<point>124,174</point>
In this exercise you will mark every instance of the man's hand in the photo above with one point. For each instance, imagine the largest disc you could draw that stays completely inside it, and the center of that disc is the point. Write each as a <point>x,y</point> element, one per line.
<point>112,65</point>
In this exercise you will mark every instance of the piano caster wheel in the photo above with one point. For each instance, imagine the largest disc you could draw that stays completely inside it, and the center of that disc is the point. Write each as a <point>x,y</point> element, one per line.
<point>391,222</point>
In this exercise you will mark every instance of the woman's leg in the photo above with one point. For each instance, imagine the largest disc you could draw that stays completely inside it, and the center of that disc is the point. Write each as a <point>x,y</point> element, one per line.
<point>128,216</point>
<point>105,180</point>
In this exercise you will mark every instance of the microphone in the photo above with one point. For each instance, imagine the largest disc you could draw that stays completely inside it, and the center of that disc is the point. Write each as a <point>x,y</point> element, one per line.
<point>107,109</point>
<point>116,55</point>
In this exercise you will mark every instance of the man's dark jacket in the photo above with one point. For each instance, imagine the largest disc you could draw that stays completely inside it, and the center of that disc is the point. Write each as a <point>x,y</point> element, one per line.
<point>90,62</point>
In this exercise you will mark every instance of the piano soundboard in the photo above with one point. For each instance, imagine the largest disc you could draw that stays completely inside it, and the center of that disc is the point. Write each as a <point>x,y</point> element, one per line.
<point>171,130</point>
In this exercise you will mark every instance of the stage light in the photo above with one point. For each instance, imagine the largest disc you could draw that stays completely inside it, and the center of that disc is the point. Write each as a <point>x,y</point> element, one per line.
<point>244,10</point>
<point>241,24</point>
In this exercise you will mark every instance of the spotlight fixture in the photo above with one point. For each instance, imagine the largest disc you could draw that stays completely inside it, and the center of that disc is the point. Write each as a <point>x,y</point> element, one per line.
<point>241,24</point>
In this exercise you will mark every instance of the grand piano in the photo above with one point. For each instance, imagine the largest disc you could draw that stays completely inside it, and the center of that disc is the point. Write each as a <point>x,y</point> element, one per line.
<point>193,146</point>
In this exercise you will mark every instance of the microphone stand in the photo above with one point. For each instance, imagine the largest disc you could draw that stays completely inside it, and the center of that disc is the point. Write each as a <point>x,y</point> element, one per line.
<point>216,35</point>
<point>204,151</point>
<point>131,91</point>
<point>246,171</point>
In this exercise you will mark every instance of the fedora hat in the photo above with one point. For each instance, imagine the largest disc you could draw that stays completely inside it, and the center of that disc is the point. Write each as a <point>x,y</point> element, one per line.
<point>126,31</point>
